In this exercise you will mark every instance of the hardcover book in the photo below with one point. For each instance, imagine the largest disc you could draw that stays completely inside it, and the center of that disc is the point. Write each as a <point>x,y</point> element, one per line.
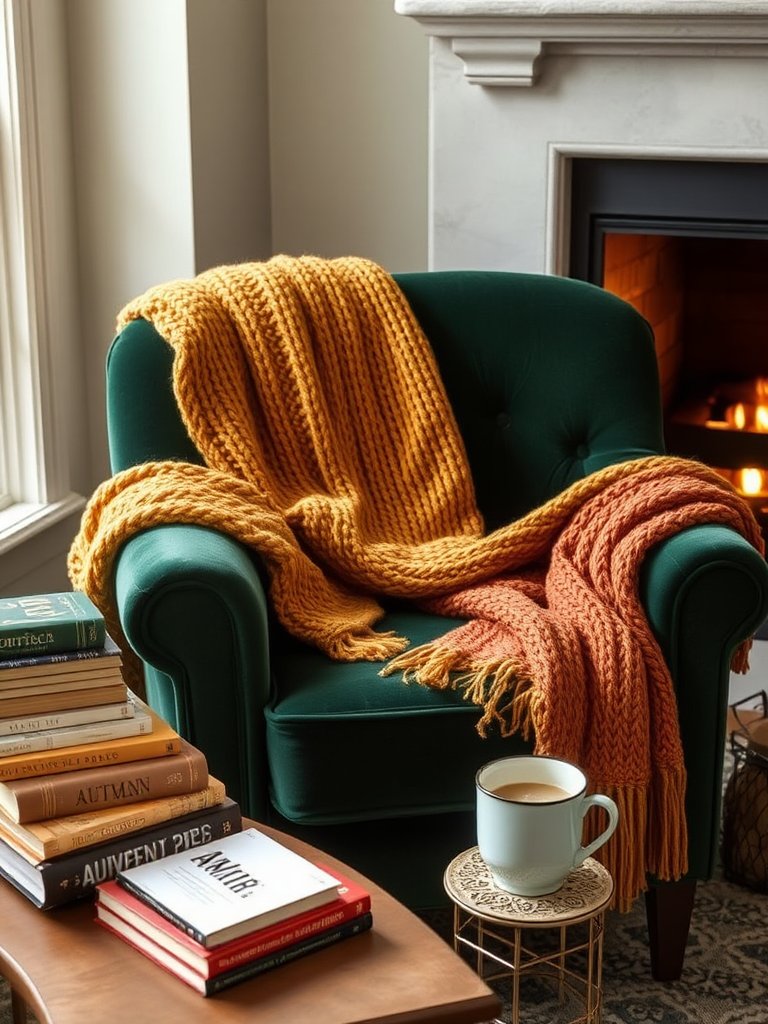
<point>66,662</point>
<point>110,785</point>
<point>30,686</point>
<point>351,901</point>
<point>45,623</point>
<point>53,883</point>
<point>138,724</point>
<point>64,719</point>
<point>61,700</point>
<point>161,742</point>
<point>41,840</point>
<point>231,887</point>
<point>209,986</point>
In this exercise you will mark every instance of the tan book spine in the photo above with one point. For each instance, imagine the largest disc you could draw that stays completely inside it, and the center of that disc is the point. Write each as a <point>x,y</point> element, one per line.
<point>112,785</point>
<point>161,742</point>
<point>15,707</point>
<point>29,687</point>
<point>42,840</point>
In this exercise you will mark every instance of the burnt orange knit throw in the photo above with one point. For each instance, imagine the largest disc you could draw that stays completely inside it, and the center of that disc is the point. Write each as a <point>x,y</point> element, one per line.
<point>331,448</point>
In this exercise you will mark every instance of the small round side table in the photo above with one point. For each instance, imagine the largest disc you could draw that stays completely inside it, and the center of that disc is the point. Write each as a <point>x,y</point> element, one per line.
<point>491,922</point>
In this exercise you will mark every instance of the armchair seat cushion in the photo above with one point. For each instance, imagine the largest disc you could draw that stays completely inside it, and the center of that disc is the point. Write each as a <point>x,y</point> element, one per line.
<point>334,755</point>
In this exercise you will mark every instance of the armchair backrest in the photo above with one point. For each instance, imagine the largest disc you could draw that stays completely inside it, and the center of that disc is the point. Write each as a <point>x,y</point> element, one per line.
<point>549,379</point>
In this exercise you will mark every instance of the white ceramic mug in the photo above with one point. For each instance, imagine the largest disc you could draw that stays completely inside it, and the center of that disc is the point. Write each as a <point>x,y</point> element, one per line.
<point>530,811</point>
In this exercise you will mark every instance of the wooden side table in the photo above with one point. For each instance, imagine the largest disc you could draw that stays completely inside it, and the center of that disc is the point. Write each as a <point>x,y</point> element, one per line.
<point>68,970</point>
<point>491,922</point>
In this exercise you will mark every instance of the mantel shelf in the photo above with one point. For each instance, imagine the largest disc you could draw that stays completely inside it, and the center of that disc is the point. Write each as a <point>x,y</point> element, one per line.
<point>501,42</point>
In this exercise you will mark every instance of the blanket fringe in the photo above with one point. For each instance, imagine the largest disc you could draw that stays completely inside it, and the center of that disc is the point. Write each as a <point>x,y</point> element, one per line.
<point>667,844</point>
<point>499,686</point>
<point>740,658</point>
<point>365,645</point>
<point>624,853</point>
<point>637,847</point>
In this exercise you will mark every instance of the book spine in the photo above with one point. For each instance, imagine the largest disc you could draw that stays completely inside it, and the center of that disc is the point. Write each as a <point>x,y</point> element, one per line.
<point>46,623</point>
<point>76,875</point>
<point>32,686</point>
<point>327,938</point>
<point>89,657</point>
<point>93,732</point>
<point>56,796</point>
<point>313,923</point>
<point>42,763</point>
<point>164,911</point>
<point>66,719</point>
<point>57,836</point>
<point>43,704</point>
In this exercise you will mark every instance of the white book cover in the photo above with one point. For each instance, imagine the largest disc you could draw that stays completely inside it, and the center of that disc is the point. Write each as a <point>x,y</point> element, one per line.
<point>230,887</point>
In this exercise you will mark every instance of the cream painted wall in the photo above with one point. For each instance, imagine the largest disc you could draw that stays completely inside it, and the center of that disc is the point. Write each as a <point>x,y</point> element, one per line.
<point>227,52</point>
<point>133,168</point>
<point>169,120</point>
<point>348,130</point>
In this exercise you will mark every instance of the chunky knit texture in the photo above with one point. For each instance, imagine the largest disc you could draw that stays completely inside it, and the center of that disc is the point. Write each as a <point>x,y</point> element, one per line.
<point>331,448</point>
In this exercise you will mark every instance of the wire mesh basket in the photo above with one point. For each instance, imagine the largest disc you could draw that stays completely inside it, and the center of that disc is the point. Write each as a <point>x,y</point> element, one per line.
<point>745,808</point>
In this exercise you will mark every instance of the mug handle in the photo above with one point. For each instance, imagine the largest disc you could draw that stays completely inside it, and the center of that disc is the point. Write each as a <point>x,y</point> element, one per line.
<point>599,800</point>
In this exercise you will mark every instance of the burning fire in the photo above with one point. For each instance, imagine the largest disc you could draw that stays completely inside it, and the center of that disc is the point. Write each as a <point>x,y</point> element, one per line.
<point>750,481</point>
<point>750,414</point>
<point>746,416</point>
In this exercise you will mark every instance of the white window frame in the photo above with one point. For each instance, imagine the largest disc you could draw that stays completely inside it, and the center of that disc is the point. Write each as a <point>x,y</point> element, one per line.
<point>37,282</point>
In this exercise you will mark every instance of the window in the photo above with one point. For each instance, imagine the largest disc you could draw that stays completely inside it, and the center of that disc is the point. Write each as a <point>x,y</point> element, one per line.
<point>37,279</point>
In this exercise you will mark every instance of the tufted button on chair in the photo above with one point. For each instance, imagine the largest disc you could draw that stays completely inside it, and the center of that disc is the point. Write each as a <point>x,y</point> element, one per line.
<point>550,379</point>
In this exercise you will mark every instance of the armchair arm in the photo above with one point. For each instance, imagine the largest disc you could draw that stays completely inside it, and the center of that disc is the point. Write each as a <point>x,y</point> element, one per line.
<point>704,590</point>
<point>192,605</point>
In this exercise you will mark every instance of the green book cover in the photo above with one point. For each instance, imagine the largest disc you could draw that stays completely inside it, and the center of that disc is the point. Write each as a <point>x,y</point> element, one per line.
<point>46,623</point>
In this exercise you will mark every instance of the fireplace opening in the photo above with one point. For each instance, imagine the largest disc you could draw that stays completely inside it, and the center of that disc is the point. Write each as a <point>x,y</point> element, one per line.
<point>672,239</point>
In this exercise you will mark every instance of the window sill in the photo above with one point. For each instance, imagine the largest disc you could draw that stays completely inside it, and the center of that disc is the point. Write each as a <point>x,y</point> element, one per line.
<point>22,522</point>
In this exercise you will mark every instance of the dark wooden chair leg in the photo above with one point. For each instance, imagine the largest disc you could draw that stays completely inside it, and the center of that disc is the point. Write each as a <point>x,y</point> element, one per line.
<point>668,909</point>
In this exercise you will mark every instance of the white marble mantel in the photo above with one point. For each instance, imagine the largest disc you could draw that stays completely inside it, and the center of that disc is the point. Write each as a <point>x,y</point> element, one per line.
<point>520,88</point>
<point>501,41</point>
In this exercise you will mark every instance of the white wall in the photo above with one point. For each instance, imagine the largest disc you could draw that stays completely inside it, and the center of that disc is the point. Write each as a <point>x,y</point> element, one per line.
<point>171,154</point>
<point>133,169</point>
<point>227,53</point>
<point>348,117</point>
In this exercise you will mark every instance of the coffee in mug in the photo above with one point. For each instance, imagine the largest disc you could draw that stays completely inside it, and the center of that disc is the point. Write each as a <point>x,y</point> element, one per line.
<point>530,792</point>
<point>530,811</point>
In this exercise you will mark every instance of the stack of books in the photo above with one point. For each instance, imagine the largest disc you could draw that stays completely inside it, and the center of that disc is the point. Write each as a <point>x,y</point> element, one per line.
<point>91,778</point>
<point>231,909</point>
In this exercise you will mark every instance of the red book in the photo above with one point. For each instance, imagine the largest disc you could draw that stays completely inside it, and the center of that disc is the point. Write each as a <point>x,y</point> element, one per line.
<point>250,969</point>
<point>352,902</point>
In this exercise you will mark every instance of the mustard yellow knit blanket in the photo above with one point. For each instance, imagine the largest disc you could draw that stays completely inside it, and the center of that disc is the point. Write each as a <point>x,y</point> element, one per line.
<point>331,448</point>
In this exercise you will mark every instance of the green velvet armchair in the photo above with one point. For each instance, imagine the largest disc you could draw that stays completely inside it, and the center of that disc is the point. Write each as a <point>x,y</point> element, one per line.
<point>550,379</point>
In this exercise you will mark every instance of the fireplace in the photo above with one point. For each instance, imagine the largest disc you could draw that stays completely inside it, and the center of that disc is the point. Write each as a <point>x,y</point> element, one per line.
<point>686,243</point>
<point>529,99</point>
